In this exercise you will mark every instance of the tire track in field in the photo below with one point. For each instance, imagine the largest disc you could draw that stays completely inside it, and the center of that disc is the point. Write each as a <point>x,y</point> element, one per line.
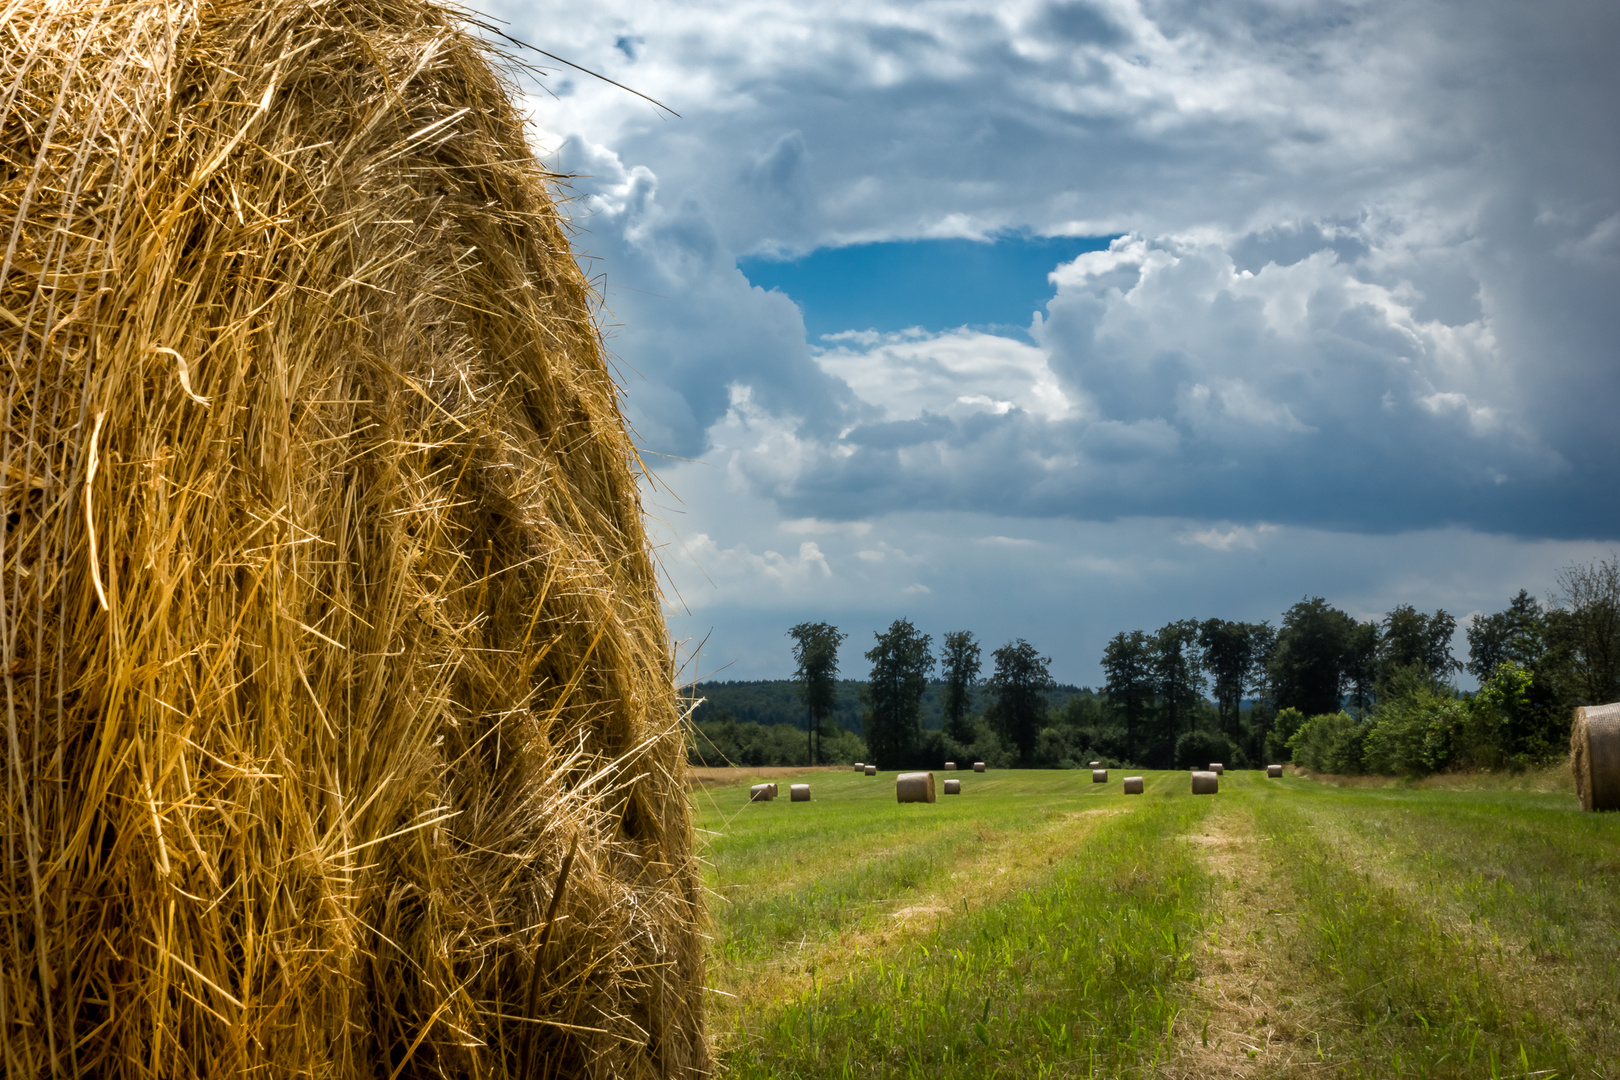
<point>1529,982</point>
<point>1005,862</point>
<point>1251,1016</point>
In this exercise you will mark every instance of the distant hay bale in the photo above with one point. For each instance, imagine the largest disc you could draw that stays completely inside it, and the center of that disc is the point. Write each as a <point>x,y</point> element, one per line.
<point>1273,771</point>
<point>914,787</point>
<point>1205,783</point>
<point>1096,765</point>
<point>1099,776</point>
<point>950,766</point>
<point>1133,785</point>
<point>860,766</point>
<point>978,766</point>
<point>953,787</point>
<point>871,770</point>
<point>1217,768</point>
<point>799,793</point>
<point>330,628</point>
<point>1594,756</point>
<point>762,793</point>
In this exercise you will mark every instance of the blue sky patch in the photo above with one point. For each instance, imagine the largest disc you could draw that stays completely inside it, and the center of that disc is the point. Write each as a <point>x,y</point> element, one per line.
<point>934,284</point>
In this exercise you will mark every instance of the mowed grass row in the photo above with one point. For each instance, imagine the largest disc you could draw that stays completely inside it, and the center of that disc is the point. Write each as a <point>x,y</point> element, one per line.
<point>1040,925</point>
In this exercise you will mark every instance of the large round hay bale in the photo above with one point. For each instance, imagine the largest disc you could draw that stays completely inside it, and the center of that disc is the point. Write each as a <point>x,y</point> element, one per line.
<point>953,787</point>
<point>799,793</point>
<point>871,770</point>
<point>978,766</point>
<point>950,766</point>
<point>1099,776</point>
<point>762,793</point>
<point>1217,768</point>
<point>1133,785</point>
<point>860,766</point>
<point>1594,756</point>
<point>330,628</point>
<point>914,787</point>
<point>1205,783</point>
<point>1273,771</point>
<point>1096,765</point>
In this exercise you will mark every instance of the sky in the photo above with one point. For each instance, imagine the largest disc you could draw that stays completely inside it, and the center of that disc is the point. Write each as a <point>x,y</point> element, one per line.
<point>1053,320</point>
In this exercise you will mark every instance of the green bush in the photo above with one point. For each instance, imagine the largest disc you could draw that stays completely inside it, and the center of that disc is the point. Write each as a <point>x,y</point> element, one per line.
<point>1421,732</point>
<point>1282,728</point>
<point>1329,743</point>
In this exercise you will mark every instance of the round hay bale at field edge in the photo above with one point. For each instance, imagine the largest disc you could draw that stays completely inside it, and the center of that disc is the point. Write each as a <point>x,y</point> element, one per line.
<point>1273,771</point>
<point>334,661</point>
<point>953,787</point>
<point>914,787</point>
<point>762,793</point>
<point>1594,756</point>
<point>1217,768</point>
<point>1099,776</point>
<point>860,766</point>
<point>1205,783</point>
<point>1096,765</point>
<point>978,766</point>
<point>950,766</point>
<point>871,770</point>
<point>1133,785</point>
<point>799,793</point>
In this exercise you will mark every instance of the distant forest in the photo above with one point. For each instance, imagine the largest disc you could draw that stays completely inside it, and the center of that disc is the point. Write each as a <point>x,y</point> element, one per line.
<point>777,701</point>
<point>1320,688</point>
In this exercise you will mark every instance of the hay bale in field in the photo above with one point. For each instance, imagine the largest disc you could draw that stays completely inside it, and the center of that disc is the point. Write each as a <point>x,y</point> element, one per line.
<point>978,766</point>
<point>1096,765</point>
<point>1205,783</point>
<point>953,787</point>
<point>914,787</point>
<point>1594,756</point>
<point>860,766</point>
<point>950,766</point>
<point>1217,768</point>
<point>1099,776</point>
<point>1273,771</point>
<point>871,770</point>
<point>799,793</point>
<point>762,793</point>
<point>330,624</point>
<point>1133,785</point>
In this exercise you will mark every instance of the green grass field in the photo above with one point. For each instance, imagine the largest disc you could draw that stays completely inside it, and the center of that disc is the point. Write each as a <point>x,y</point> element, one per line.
<point>1040,925</point>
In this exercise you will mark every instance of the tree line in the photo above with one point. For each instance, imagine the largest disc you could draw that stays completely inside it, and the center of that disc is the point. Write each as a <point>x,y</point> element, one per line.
<point>1320,688</point>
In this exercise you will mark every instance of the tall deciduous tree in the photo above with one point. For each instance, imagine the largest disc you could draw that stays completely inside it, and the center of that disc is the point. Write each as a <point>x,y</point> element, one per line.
<point>1177,673</point>
<point>959,665</point>
<point>1018,689</point>
<point>815,650</point>
<point>1590,598</point>
<point>1307,665</point>
<point>1228,650</point>
<point>1420,642</point>
<point>901,661</point>
<point>1127,666</point>
<point>1517,634</point>
<point>1361,665</point>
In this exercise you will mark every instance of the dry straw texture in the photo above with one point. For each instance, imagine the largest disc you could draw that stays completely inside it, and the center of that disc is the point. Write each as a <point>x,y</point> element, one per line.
<point>953,787</point>
<point>1594,744</point>
<point>799,793</point>
<point>327,615</point>
<point>1133,785</point>
<point>1099,776</point>
<point>1205,783</point>
<point>914,787</point>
